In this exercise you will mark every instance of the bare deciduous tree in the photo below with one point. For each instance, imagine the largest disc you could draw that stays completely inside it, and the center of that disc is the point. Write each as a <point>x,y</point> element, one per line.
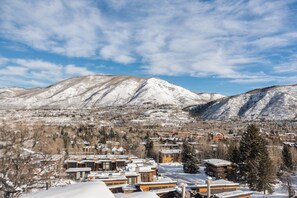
<point>20,166</point>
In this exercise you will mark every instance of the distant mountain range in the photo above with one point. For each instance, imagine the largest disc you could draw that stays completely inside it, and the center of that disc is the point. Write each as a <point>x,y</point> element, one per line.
<point>271,103</point>
<point>102,91</point>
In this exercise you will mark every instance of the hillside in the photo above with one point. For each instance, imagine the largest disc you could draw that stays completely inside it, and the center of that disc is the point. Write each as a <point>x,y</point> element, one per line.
<point>270,103</point>
<point>101,91</point>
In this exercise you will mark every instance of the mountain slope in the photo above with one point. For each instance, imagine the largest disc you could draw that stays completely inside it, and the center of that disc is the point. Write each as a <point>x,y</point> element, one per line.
<point>99,90</point>
<point>271,103</point>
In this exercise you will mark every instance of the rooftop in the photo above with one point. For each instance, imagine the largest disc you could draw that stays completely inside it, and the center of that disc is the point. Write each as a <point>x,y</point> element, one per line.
<point>217,162</point>
<point>171,151</point>
<point>87,189</point>
<point>219,182</point>
<point>73,170</point>
<point>137,195</point>
<point>232,194</point>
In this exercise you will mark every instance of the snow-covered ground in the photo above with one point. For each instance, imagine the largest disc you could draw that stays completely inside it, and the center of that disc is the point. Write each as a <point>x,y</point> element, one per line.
<point>279,192</point>
<point>175,172</point>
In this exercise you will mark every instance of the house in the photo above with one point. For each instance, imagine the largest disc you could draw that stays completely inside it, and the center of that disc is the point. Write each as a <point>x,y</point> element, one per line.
<point>97,162</point>
<point>78,173</point>
<point>170,155</point>
<point>139,175</point>
<point>288,137</point>
<point>181,135</point>
<point>215,136</point>
<point>221,169</point>
<point>146,173</point>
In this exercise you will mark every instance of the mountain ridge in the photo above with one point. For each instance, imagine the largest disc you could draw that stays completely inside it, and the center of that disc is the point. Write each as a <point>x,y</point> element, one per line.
<point>268,103</point>
<point>102,90</point>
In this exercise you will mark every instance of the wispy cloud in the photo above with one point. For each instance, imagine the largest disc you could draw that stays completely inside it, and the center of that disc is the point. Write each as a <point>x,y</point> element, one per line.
<point>196,38</point>
<point>287,67</point>
<point>34,72</point>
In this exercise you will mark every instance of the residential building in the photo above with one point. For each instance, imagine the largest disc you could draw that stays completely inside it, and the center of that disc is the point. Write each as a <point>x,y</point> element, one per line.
<point>221,169</point>
<point>170,155</point>
<point>215,136</point>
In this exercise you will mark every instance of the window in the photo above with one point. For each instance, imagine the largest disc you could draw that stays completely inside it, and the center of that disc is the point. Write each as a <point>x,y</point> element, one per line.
<point>131,180</point>
<point>106,165</point>
<point>145,177</point>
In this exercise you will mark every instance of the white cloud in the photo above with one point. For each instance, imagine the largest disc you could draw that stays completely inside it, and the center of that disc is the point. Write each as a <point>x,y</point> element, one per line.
<point>3,60</point>
<point>74,70</point>
<point>197,38</point>
<point>13,71</point>
<point>34,72</point>
<point>69,28</point>
<point>287,67</point>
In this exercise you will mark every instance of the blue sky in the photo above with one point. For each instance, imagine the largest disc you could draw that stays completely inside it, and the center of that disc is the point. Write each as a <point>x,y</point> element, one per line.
<point>220,46</point>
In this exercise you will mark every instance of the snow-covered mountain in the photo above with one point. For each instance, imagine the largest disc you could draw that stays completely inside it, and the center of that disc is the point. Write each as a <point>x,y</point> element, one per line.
<point>102,90</point>
<point>271,103</point>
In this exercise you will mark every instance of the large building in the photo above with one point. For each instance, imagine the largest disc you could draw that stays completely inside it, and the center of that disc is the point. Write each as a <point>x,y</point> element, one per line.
<point>221,169</point>
<point>170,155</point>
<point>98,162</point>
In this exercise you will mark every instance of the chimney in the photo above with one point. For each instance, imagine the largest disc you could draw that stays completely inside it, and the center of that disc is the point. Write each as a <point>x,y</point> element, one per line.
<point>183,190</point>
<point>208,182</point>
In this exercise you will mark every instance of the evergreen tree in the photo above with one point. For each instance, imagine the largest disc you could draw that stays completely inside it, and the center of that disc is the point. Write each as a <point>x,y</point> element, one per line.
<point>233,153</point>
<point>149,147</point>
<point>265,170</point>
<point>287,157</point>
<point>233,156</point>
<point>189,160</point>
<point>256,166</point>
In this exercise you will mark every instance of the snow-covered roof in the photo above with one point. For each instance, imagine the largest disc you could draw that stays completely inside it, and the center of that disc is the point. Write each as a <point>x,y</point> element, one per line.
<point>289,143</point>
<point>114,149</point>
<point>160,180</point>
<point>131,174</point>
<point>217,162</point>
<point>113,178</point>
<point>145,169</point>
<point>69,160</point>
<point>157,182</point>
<point>137,195</point>
<point>171,151</point>
<point>164,190</point>
<point>215,133</point>
<point>84,161</point>
<point>93,189</point>
<point>121,149</point>
<point>73,170</point>
<point>233,194</point>
<point>219,182</point>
